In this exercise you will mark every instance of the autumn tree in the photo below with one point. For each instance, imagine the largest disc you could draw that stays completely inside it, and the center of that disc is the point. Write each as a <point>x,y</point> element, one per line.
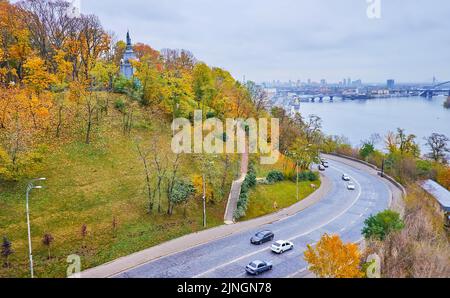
<point>50,26</point>
<point>303,153</point>
<point>143,50</point>
<point>402,143</point>
<point>443,177</point>
<point>14,43</point>
<point>203,85</point>
<point>438,144</point>
<point>94,42</point>
<point>152,82</point>
<point>331,258</point>
<point>258,95</point>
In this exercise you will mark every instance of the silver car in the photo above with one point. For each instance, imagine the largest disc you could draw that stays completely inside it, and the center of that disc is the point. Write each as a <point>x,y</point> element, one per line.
<point>258,267</point>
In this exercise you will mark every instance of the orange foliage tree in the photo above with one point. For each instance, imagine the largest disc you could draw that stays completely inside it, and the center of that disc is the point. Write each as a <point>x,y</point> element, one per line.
<point>331,258</point>
<point>443,177</point>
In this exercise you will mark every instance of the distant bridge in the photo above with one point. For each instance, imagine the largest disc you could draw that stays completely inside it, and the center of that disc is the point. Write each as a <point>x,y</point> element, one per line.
<point>433,90</point>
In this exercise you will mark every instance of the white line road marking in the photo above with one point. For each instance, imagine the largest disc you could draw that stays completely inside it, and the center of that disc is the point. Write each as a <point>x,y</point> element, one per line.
<point>298,272</point>
<point>294,237</point>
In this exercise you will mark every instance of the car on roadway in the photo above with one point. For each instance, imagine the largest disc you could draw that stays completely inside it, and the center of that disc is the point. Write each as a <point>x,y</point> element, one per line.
<point>346,177</point>
<point>282,246</point>
<point>258,267</point>
<point>325,164</point>
<point>262,237</point>
<point>351,186</point>
<point>321,168</point>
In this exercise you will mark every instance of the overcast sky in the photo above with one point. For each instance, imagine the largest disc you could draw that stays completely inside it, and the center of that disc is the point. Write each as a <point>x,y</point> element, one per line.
<point>294,39</point>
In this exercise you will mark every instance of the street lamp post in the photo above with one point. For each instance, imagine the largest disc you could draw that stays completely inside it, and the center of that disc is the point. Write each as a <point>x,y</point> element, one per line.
<point>297,182</point>
<point>30,187</point>
<point>204,201</point>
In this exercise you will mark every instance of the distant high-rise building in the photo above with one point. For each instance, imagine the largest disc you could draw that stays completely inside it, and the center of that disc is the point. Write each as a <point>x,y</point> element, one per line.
<point>323,82</point>
<point>309,81</point>
<point>390,84</point>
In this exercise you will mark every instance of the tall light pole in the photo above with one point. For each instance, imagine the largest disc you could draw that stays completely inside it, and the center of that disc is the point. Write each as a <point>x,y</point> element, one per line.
<point>204,201</point>
<point>297,182</point>
<point>30,187</point>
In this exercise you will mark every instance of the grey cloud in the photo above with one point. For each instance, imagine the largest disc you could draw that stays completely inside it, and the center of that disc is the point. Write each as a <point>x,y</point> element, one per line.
<point>293,39</point>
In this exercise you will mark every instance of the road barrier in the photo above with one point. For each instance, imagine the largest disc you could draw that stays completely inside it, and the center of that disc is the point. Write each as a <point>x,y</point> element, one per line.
<point>387,177</point>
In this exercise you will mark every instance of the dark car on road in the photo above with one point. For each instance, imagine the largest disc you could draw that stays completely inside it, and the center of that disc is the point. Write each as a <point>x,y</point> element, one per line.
<point>258,267</point>
<point>262,237</point>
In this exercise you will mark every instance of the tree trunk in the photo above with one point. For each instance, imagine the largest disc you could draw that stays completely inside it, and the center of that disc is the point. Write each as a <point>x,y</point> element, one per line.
<point>58,127</point>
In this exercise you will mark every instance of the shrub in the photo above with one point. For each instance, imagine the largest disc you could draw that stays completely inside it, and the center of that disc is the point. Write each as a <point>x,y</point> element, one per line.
<point>380,225</point>
<point>121,84</point>
<point>306,176</point>
<point>425,169</point>
<point>250,180</point>
<point>119,104</point>
<point>6,251</point>
<point>210,115</point>
<point>275,176</point>
<point>242,204</point>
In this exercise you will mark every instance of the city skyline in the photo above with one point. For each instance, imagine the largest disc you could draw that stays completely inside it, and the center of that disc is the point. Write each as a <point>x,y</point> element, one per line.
<point>293,39</point>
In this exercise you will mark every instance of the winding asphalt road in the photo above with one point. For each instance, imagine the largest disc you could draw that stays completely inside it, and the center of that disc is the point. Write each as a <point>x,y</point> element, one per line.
<point>340,212</point>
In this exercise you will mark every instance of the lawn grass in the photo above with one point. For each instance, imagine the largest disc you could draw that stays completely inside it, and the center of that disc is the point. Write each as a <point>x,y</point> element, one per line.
<point>90,185</point>
<point>262,197</point>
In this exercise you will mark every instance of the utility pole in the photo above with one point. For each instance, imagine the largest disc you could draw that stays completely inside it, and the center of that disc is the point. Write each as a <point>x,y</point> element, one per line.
<point>204,202</point>
<point>30,250</point>
<point>297,182</point>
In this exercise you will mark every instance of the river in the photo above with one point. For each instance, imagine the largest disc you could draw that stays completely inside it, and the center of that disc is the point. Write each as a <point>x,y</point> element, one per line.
<point>358,119</point>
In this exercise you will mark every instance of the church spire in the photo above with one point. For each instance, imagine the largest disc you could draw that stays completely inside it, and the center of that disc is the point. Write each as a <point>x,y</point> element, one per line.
<point>128,38</point>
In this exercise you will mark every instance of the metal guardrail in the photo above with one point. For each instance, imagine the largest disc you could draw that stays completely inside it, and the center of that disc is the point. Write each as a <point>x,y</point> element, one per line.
<point>387,177</point>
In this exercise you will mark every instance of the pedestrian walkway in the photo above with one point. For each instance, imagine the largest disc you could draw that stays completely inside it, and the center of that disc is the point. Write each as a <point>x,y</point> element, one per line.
<point>235,191</point>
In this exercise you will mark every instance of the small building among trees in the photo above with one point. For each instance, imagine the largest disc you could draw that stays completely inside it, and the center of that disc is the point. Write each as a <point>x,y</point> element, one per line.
<point>126,68</point>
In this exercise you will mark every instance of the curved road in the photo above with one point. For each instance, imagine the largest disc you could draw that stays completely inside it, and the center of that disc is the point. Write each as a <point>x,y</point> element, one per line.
<point>340,212</point>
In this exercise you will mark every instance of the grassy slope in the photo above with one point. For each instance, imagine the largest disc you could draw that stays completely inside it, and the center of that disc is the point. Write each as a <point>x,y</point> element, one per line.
<point>91,184</point>
<point>262,198</point>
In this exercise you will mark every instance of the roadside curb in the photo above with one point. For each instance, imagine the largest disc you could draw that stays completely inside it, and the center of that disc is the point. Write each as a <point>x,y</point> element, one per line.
<point>193,240</point>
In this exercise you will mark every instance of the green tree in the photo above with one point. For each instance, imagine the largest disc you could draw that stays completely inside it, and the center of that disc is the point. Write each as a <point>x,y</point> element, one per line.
<point>366,150</point>
<point>380,225</point>
<point>203,84</point>
<point>180,194</point>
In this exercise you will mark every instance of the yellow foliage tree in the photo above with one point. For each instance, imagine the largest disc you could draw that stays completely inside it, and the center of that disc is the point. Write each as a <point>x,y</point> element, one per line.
<point>36,75</point>
<point>197,181</point>
<point>331,258</point>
